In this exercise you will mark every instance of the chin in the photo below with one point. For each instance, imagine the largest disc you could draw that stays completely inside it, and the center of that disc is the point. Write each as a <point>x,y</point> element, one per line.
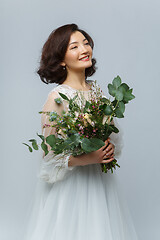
<point>89,65</point>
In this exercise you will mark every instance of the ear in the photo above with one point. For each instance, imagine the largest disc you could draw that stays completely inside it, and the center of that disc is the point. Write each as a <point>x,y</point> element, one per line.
<point>62,64</point>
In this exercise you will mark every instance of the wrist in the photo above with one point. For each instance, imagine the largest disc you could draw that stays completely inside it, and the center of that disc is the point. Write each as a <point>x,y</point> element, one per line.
<point>71,161</point>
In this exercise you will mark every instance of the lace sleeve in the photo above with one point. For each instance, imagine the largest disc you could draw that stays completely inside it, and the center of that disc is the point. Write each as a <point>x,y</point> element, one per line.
<point>53,167</point>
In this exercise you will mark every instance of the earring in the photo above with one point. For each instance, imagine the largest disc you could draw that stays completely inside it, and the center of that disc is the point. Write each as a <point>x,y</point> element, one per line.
<point>64,68</point>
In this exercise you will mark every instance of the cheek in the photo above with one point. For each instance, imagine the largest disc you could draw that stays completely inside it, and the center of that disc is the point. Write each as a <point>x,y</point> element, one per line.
<point>71,57</point>
<point>90,50</point>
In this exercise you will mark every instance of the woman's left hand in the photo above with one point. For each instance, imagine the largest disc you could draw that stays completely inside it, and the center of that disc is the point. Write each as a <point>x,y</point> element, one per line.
<point>109,150</point>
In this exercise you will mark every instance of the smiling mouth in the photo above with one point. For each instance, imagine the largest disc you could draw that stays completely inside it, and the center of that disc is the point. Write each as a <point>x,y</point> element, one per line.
<point>84,58</point>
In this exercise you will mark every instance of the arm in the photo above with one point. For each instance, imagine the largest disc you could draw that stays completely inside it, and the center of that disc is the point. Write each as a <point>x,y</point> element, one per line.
<point>53,167</point>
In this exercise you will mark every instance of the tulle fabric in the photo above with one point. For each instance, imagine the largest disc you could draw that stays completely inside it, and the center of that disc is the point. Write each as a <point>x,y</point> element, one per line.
<point>79,202</point>
<point>84,205</point>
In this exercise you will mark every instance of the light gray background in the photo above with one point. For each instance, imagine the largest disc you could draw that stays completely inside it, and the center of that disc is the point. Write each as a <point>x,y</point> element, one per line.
<point>127,38</point>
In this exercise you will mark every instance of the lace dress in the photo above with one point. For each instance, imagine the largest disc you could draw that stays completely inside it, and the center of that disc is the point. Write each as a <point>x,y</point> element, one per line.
<point>80,202</point>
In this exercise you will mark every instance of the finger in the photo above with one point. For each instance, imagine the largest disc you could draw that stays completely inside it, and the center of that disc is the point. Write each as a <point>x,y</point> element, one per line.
<point>108,160</point>
<point>107,157</point>
<point>110,152</point>
<point>112,155</point>
<point>105,151</point>
<point>110,146</point>
<point>104,147</point>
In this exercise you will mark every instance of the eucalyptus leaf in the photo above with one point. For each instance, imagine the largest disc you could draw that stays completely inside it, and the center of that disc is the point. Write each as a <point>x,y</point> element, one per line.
<point>58,100</point>
<point>121,106</point>
<point>125,86</point>
<point>76,138</point>
<point>105,100</point>
<point>112,90</point>
<point>92,144</point>
<point>119,114</point>
<point>108,110</point>
<point>32,140</point>
<point>122,89</point>
<point>128,96</point>
<point>119,95</point>
<point>51,140</point>
<point>30,149</point>
<point>63,96</point>
<point>45,148</point>
<point>73,140</point>
<point>35,145</point>
<point>114,102</point>
<point>41,136</point>
<point>116,82</point>
<point>113,128</point>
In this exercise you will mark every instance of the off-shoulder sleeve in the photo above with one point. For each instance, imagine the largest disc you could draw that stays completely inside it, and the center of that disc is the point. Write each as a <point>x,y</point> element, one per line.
<point>53,167</point>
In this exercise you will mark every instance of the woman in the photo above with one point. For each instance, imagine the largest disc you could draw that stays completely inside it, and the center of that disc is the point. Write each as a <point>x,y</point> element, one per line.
<point>75,200</point>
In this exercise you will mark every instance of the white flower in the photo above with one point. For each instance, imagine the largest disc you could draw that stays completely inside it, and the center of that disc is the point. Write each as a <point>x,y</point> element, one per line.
<point>76,114</point>
<point>106,119</point>
<point>61,133</point>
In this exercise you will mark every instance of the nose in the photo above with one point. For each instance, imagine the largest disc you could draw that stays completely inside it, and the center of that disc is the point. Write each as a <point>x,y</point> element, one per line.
<point>83,48</point>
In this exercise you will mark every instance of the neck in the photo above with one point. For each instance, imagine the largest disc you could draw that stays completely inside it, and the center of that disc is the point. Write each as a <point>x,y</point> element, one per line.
<point>76,80</point>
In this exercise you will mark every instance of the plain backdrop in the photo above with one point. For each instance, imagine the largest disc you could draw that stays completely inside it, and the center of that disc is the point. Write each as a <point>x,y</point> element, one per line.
<point>127,43</point>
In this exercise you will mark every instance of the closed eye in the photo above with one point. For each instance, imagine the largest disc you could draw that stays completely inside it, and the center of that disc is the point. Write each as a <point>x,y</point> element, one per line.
<point>74,47</point>
<point>85,44</point>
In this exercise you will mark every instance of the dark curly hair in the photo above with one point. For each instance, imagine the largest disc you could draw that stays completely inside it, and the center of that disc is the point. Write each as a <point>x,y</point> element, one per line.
<point>53,53</point>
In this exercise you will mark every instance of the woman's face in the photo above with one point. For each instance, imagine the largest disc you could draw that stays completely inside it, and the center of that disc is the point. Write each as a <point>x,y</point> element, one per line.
<point>79,53</point>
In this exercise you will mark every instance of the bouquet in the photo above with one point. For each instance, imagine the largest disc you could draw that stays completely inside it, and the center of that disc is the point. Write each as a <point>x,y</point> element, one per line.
<point>87,123</point>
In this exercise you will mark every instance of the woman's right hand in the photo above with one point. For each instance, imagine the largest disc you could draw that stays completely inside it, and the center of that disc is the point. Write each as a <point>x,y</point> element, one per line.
<point>103,155</point>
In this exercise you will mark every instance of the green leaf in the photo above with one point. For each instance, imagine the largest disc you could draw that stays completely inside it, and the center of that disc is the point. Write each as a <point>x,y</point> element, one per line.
<point>87,104</point>
<point>111,89</point>
<point>72,141</point>
<point>119,114</point>
<point>32,140</point>
<point>113,128</point>
<point>108,110</point>
<point>41,136</point>
<point>63,96</point>
<point>119,95</point>
<point>114,102</point>
<point>92,144</point>
<point>45,148</point>
<point>121,106</point>
<point>30,149</point>
<point>128,96</point>
<point>76,139</point>
<point>125,86</point>
<point>116,82</point>
<point>122,89</point>
<point>58,100</point>
<point>34,144</point>
<point>51,140</point>
<point>105,100</point>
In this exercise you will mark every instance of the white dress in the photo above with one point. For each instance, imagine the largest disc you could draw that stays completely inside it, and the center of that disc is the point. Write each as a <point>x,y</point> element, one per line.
<point>77,203</point>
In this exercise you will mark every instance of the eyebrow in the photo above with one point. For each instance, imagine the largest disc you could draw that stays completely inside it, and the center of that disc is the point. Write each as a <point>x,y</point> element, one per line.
<point>77,42</point>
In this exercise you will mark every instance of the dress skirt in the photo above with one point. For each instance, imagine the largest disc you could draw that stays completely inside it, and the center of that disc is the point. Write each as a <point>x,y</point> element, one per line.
<point>85,205</point>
